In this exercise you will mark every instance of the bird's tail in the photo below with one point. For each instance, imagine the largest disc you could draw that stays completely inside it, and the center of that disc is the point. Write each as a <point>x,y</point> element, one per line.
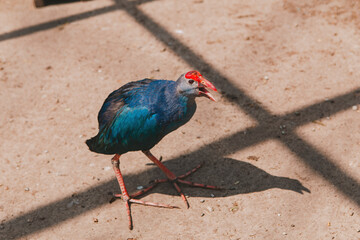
<point>92,142</point>
<point>95,145</point>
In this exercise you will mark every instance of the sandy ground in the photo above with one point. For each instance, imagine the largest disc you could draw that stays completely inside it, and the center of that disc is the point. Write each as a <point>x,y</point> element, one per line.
<point>284,135</point>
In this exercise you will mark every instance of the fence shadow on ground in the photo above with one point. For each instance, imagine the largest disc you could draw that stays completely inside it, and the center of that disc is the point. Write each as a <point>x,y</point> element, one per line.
<point>237,176</point>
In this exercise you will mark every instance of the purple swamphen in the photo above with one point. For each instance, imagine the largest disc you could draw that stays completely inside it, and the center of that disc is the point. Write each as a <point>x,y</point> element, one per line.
<point>138,115</point>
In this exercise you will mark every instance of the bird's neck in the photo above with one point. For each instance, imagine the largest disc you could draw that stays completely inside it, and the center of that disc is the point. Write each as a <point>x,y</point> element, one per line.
<point>184,100</point>
<point>178,107</point>
<point>176,110</point>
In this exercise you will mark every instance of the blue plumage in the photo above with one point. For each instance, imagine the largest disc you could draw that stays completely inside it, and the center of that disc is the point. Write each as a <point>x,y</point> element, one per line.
<point>139,114</point>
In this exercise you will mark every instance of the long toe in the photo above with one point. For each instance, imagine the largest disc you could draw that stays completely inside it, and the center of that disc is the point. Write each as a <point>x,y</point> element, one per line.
<point>193,184</point>
<point>137,201</point>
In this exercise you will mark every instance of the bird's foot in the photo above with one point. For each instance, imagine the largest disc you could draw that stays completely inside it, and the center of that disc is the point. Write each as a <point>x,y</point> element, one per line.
<point>171,177</point>
<point>124,194</point>
<point>179,179</point>
<point>128,200</point>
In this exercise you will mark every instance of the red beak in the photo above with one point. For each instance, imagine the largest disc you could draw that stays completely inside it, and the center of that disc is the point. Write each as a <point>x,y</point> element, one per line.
<point>203,84</point>
<point>206,83</point>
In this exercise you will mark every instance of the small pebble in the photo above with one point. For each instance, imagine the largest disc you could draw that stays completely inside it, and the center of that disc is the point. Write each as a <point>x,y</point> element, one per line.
<point>279,214</point>
<point>354,107</point>
<point>95,220</point>
<point>202,214</point>
<point>283,132</point>
<point>2,226</point>
<point>234,208</point>
<point>284,233</point>
<point>107,168</point>
<point>27,189</point>
<point>139,187</point>
<point>210,209</point>
<point>266,77</point>
<point>71,204</point>
<point>292,225</point>
<point>29,220</point>
<point>202,200</point>
<point>212,195</point>
<point>179,31</point>
<point>60,174</point>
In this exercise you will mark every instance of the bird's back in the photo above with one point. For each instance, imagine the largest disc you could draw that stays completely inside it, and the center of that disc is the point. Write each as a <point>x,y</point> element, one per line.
<point>138,115</point>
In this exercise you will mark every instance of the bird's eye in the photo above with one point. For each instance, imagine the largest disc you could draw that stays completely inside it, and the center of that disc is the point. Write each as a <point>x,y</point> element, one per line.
<point>191,81</point>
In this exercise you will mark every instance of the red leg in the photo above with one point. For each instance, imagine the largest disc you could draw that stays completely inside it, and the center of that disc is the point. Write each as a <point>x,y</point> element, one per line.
<point>125,195</point>
<point>172,177</point>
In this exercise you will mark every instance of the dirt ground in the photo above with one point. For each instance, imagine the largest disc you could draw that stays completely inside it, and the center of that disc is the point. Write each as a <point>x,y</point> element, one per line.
<point>283,137</point>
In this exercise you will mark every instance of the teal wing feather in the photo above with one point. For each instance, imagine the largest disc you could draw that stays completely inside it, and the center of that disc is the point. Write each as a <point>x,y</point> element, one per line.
<point>132,129</point>
<point>126,122</point>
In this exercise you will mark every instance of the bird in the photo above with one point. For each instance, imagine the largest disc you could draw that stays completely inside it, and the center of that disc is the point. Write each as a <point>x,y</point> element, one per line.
<point>138,115</point>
